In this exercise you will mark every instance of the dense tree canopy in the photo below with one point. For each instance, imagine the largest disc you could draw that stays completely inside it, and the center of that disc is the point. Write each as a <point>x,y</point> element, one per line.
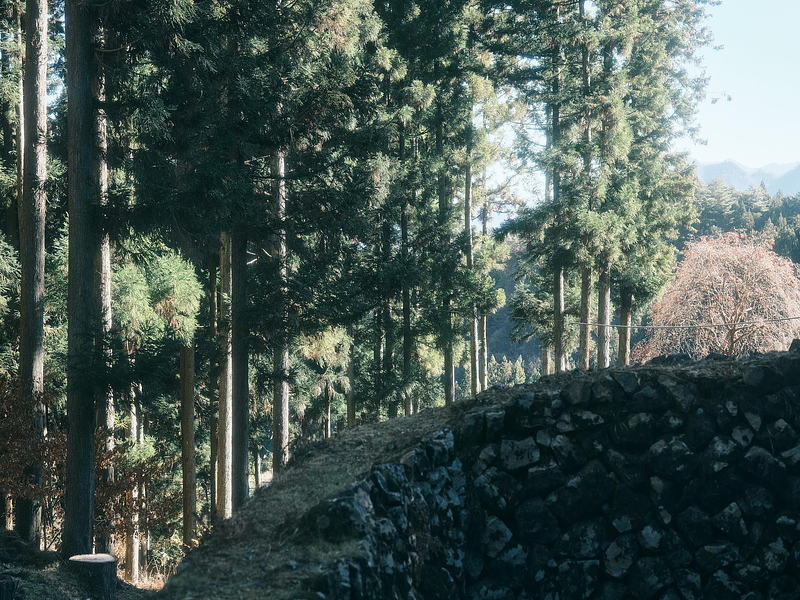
<point>267,221</point>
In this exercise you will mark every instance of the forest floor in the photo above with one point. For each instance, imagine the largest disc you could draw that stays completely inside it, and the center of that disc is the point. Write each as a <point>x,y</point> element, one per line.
<point>44,575</point>
<point>250,553</point>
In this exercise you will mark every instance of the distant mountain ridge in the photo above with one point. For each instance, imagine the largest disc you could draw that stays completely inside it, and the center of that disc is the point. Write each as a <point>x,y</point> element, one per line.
<point>777,177</point>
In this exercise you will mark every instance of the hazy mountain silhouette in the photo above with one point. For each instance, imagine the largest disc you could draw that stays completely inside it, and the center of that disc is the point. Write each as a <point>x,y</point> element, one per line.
<point>784,177</point>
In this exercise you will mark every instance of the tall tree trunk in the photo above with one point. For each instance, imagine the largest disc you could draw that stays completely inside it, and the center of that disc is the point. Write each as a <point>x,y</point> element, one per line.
<point>625,314</point>
<point>484,348</point>
<point>547,365</point>
<point>132,530</point>
<point>558,284</point>
<point>104,395</point>
<point>31,224</point>
<point>444,226</point>
<point>586,268</point>
<point>351,381</point>
<point>239,350</point>
<point>327,417</point>
<point>187,368</point>
<point>6,512</point>
<point>408,340</point>
<point>484,352</point>
<point>474,384</point>
<point>604,315</point>
<point>79,500</point>
<point>388,327</point>
<point>225,431</point>
<point>586,315</point>
<point>213,385</point>
<point>12,212</point>
<point>280,419</point>
<point>558,320</point>
<point>257,468</point>
<point>377,350</point>
<point>9,162</point>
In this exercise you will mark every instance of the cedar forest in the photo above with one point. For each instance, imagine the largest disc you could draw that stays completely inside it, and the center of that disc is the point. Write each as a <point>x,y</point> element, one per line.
<point>233,227</point>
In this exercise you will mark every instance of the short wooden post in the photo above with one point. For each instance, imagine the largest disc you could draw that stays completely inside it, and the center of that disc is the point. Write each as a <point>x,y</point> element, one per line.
<point>100,571</point>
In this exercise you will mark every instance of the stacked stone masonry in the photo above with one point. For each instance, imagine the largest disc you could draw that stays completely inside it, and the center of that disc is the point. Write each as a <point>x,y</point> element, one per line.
<point>671,481</point>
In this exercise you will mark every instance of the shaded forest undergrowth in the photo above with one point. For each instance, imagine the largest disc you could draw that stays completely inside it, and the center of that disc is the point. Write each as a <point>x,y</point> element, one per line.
<point>37,575</point>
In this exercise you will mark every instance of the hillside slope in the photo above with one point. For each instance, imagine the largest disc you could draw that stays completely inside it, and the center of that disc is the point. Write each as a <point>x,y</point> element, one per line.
<point>671,480</point>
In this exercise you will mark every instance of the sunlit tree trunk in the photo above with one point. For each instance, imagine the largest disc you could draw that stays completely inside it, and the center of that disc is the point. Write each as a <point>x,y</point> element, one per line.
<point>79,485</point>
<point>444,225</point>
<point>104,399</point>
<point>280,419</point>
<point>604,315</point>
<point>474,381</point>
<point>586,268</point>
<point>547,365</point>
<point>31,225</point>
<point>558,320</point>
<point>213,387</point>
<point>351,381</point>
<point>327,416</point>
<point>132,530</point>
<point>187,368</point>
<point>625,310</point>
<point>585,316</point>
<point>408,340</point>
<point>225,428</point>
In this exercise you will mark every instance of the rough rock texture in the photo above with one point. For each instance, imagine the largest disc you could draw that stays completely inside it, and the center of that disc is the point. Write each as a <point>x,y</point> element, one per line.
<point>674,480</point>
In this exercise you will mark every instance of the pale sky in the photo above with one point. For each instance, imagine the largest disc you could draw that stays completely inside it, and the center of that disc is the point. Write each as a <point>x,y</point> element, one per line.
<point>759,68</point>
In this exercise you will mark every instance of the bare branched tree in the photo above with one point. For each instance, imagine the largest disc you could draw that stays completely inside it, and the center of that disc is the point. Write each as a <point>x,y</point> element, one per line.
<point>731,294</point>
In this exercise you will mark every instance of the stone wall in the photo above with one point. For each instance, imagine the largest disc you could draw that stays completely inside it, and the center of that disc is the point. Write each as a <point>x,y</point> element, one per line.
<point>670,481</point>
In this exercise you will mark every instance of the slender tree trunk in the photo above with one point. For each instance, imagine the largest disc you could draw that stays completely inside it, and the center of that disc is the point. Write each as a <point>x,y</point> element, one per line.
<point>327,417</point>
<point>474,381</point>
<point>213,386</point>
<point>586,268</point>
<point>9,162</point>
<point>257,468</point>
<point>408,340</point>
<point>484,348</point>
<point>104,395</point>
<point>388,391</point>
<point>558,284</point>
<point>604,316</point>
<point>351,381</point>
<point>586,315</point>
<point>625,313</point>
<point>7,512</point>
<point>31,223</point>
<point>187,444</point>
<point>547,365</point>
<point>225,431</point>
<point>377,351</point>
<point>444,225</point>
<point>484,362</point>
<point>132,533</point>
<point>79,500</point>
<point>12,213</point>
<point>558,320</point>
<point>239,349</point>
<point>280,419</point>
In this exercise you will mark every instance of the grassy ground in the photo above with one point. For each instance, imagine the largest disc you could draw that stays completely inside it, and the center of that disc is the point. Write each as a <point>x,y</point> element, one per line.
<point>44,576</point>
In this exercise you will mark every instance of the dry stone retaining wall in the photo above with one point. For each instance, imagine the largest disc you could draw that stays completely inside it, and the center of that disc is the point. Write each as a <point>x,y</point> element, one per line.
<point>671,481</point>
